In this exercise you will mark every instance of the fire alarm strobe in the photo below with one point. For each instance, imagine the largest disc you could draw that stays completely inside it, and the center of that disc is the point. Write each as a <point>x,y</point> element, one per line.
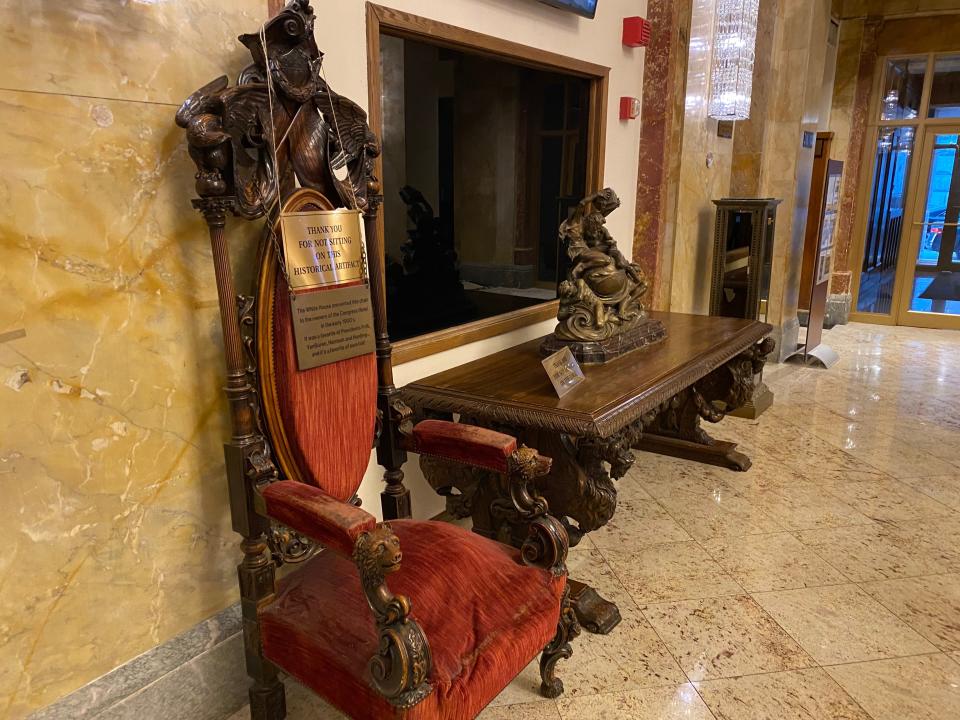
<point>636,32</point>
<point>629,108</point>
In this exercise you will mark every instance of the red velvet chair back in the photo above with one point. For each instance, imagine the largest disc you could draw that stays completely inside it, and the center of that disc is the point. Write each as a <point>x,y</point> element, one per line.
<point>320,421</point>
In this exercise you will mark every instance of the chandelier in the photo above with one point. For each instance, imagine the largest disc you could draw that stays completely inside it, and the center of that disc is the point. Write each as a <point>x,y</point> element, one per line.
<point>734,43</point>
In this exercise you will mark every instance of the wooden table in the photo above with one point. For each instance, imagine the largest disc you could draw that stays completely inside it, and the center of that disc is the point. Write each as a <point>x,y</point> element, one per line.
<point>652,399</point>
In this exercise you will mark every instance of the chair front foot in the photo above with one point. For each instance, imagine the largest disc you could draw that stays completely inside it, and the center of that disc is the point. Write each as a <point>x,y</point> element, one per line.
<point>558,649</point>
<point>268,702</point>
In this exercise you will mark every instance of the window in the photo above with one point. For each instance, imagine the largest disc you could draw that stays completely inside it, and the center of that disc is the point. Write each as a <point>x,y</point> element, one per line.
<point>903,88</point>
<point>945,91</point>
<point>487,146</point>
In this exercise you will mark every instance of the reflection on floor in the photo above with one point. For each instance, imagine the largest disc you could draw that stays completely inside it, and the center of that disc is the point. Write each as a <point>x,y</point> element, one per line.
<point>822,584</point>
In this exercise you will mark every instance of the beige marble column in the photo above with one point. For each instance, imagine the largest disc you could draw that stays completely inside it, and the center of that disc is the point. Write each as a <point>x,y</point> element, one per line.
<point>797,60</point>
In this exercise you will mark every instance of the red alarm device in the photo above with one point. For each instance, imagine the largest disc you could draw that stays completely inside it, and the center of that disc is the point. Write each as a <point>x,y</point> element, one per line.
<point>636,32</point>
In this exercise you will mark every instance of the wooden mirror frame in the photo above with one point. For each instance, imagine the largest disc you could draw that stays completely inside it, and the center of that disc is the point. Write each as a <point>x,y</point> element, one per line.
<point>407,26</point>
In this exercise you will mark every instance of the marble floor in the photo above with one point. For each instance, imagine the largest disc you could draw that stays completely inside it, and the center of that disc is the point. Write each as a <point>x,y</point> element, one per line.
<point>823,584</point>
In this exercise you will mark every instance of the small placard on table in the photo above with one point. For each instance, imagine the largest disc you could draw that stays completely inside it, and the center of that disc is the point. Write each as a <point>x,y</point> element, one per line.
<point>564,371</point>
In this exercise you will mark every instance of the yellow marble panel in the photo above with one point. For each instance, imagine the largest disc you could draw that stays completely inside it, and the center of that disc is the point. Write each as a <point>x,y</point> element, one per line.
<point>155,50</point>
<point>115,532</point>
<point>705,169</point>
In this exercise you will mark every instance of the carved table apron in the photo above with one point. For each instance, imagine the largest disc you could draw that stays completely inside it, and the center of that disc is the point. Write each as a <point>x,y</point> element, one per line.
<point>651,399</point>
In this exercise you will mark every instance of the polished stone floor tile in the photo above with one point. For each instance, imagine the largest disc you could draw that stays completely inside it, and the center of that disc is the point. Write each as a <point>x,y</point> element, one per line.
<point>889,500</point>
<point>802,451</point>
<point>899,458</point>
<point>676,571</point>
<point>841,623</point>
<point>772,562</point>
<point>879,551</point>
<point>805,506</point>
<point>793,695</point>
<point>937,438</point>
<point>525,711</point>
<point>632,656</point>
<point>930,605</point>
<point>661,477</point>
<point>718,514</point>
<point>926,687</point>
<point>638,524</point>
<point>724,637</point>
<point>944,489</point>
<point>670,703</point>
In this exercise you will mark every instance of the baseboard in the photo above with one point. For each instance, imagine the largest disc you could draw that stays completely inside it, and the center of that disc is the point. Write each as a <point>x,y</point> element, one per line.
<point>838,310</point>
<point>198,675</point>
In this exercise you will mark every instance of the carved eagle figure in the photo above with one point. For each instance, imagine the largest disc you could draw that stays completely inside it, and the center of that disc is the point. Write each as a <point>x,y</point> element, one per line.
<point>352,134</point>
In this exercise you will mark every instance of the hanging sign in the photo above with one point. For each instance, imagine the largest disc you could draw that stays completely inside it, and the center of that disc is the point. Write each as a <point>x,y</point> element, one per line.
<point>325,267</point>
<point>332,325</point>
<point>322,248</point>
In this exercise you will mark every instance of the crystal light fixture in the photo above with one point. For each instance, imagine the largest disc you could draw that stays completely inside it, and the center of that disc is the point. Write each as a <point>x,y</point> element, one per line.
<point>734,43</point>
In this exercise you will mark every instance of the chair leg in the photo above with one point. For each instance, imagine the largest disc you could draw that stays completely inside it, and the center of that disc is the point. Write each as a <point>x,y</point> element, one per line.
<point>256,574</point>
<point>559,648</point>
<point>268,700</point>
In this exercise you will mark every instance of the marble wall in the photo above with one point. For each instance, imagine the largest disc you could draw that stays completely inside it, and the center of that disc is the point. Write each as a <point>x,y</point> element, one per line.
<point>661,138</point>
<point>116,535</point>
<point>115,529</point>
<point>705,165</point>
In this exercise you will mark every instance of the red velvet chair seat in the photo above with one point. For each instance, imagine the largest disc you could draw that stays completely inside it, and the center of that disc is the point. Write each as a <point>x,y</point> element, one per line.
<point>485,616</point>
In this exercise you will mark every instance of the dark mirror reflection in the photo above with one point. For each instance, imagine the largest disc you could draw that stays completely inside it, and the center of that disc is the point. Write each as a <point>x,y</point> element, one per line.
<point>482,161</point>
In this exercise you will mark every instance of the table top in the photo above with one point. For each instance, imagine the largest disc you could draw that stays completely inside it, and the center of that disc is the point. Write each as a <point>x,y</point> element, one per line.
<point>512,387</point>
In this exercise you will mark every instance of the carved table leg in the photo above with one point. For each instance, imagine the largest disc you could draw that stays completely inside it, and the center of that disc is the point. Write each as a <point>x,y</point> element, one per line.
<point>595,614</point>
<point>675,429</point>
<point>716,452</point>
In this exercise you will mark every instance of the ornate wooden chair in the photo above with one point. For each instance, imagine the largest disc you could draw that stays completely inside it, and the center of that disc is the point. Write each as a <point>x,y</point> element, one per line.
<point>460,614</point>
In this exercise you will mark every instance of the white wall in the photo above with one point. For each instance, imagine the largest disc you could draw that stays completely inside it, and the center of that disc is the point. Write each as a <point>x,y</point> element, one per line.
<point>341,35</point>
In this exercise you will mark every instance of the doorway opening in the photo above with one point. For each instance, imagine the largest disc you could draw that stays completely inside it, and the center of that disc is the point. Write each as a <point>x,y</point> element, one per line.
<point>910,251</point>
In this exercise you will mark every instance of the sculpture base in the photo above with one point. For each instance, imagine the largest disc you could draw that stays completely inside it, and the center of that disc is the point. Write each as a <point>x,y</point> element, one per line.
<point>646,332</point>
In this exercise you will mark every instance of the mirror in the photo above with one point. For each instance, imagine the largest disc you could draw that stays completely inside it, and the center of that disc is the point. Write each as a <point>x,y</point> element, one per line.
<point>483,159</point>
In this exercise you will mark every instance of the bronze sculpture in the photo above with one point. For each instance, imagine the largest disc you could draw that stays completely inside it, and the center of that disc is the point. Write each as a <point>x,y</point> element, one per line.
<point>601,311</point>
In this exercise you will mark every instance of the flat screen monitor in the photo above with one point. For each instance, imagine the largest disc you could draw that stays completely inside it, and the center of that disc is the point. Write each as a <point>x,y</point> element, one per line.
<point>587,8</point>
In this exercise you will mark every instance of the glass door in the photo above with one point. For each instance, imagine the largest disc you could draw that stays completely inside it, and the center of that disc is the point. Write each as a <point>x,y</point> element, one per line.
<point>930,296</point>
<point>909,270</point>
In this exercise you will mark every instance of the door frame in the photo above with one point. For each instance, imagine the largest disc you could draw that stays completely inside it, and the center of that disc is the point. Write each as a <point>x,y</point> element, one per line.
<point>914,179</point>
<point>914,231</point>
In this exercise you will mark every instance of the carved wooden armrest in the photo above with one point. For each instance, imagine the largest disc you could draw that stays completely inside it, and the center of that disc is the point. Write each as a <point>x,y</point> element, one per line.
<point>310,511</point>
<point>467,444</point>
<point>401,665</point>
<point>547,543</point>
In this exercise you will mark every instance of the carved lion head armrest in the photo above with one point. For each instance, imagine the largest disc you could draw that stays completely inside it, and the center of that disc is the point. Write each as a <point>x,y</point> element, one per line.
<point>401,665</point>
<point>481,449</point>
